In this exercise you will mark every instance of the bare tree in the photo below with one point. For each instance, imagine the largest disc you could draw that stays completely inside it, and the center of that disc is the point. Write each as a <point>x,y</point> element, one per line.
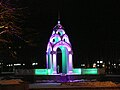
<point>9,25</point>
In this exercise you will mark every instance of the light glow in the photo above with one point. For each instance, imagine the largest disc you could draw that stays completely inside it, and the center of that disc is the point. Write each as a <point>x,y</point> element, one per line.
<point>41,72</point>
<point>18,64</point>
<point>77,71</point>
<point>98,61</point>
<point>65,37</point>
<point>60,40</point>
<point>70,62</point>
<point>83,65</point>
<point>56,37</point>
<point>61,31</point>
<point>61,43</point>
<point>54,63</point>
<point>101,61</point>
<point>90,71</point>
<point>33,64</point>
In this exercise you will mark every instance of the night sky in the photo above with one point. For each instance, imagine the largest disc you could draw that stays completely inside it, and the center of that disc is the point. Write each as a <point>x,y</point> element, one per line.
<point>93,27</point>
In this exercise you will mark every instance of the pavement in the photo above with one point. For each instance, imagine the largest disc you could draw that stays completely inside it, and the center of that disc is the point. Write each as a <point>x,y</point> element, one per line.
<point>45,85</point>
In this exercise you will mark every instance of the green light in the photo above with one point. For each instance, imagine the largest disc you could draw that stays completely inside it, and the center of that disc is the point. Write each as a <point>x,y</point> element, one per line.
<point>77,71</point>
<point>64,59</point>
<point>61,33</point>
<point>50,71</point>
<point>41,72</point>
<point>56,39</point>
<point>90,71</point>
<point>49,61</point>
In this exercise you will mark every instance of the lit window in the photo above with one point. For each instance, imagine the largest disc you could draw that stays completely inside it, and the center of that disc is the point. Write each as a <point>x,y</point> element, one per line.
<point>101,61</point>
<point>94,65</point>
<point>97,61</point>
<point>34,64</point>
<point>18,64</point>
<point>82,64</point>
<point>98,65</point>
<point>103,65</point>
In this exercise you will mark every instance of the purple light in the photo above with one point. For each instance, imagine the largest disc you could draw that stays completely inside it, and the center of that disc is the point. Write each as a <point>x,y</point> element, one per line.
<point>54,63</point>
<point>60,30</point>
<point>70,62</point>
<point>49,47</point>
<point>54,36</point>
<point>60,40</point>
<point>61,43</point>
<point>53,32</point>
<point>66,38</point>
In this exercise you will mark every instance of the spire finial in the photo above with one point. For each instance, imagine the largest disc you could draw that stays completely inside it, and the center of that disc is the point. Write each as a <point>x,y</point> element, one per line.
<point>58,17</point>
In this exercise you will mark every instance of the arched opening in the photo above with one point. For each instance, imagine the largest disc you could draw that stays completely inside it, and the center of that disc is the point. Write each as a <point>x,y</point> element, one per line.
<point>59,33</point>
<point>59,60</point>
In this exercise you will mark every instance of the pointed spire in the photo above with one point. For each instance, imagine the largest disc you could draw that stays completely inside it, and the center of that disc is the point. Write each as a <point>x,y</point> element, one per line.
<point>58,17</point>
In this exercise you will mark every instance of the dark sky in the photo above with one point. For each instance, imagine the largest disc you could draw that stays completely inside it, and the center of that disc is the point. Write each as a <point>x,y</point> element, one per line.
<point>93,26</point>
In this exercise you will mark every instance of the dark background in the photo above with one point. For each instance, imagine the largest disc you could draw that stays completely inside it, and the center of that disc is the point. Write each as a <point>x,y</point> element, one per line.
<point>93,27</point>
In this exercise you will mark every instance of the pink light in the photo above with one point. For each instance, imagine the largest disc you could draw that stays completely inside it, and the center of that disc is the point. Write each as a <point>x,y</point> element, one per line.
<point>60,30</point>
<point>53,32</point>
<point>70,62</point>
<point>54,63</point>
<point>54,36</point>
<point>62,43</point>
<point>66,38</point>
<point>50,61</point>
<point>49,47</point>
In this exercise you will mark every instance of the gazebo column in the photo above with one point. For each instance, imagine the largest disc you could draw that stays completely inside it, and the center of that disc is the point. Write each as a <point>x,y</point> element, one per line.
<point>54,63</point>
<point>47,60</point>
<point>70,63</point>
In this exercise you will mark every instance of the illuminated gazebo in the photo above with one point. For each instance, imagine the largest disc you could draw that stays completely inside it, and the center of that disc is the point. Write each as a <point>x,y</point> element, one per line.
<point>59,41</point>
<point>59,45</point>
